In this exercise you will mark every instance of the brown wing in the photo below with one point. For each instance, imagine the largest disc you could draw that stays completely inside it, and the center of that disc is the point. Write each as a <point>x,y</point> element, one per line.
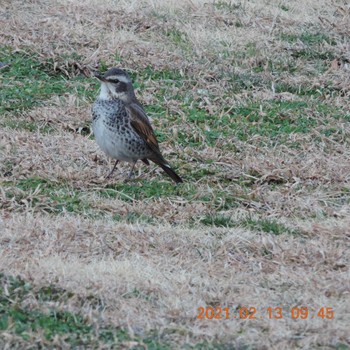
<point>141,124</point>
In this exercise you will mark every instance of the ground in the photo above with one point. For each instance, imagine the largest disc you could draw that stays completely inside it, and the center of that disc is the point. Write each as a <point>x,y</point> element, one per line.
<point>250,103</point>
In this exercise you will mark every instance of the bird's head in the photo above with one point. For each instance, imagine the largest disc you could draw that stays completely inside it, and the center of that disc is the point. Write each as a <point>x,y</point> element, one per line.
<point>116,84</point>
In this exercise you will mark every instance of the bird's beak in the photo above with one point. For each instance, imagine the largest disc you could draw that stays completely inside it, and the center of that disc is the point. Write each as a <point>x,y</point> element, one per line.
<point>99,76</point>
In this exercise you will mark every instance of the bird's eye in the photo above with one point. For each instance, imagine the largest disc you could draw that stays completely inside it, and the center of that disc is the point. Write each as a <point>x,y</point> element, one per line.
<point>114,81</point>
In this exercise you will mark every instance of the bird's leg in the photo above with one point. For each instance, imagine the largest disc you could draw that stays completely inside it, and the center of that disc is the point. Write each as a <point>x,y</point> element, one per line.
<point>131,172</point>
<point>110,174</point>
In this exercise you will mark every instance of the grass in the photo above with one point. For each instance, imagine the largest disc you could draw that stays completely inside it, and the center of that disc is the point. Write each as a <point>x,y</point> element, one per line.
<point>249,102</point>
<point>272,119</point>
<point>268,226</point>
<point>307,38</point>
<point>265,225</point>
<point>44,195</point>
<point>229,6</point>
<point>55,197</point>
<point>25,125</point>
<point>178,39</point>
<point>313,45</point>
<point>28,82</point>
<point>49,321</point>
<point>149,190</point>
<point>20,91</point>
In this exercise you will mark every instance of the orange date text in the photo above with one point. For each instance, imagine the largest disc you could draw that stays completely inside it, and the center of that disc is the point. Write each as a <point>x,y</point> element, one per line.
<point>252,313</point>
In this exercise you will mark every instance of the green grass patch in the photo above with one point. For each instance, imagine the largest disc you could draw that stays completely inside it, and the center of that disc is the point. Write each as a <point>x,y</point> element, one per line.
<point>276,119</point>
<point>199,172</point>
<point>47,324</point>
<point>308,38</point>
<point>150,190</point>
<point>24,83</point>
<point>27,82</point>
<point>269,119</point>
<point>50,196</point>
<point>269,226</point>
<point>228,6</point>
<point>262,225</point>
<point>31,126</point>
<point>142,189</point>
<point>168,77</point>
<point>272,119</point>
<point>314,45</point>
<point>178,38</point>
<point>55,197</point>
<point>134,217</point>
<point>217,220</point>
<point>284,8</point>
<point>308,54</point>
<point>246,81</point>
<point>300,90</point>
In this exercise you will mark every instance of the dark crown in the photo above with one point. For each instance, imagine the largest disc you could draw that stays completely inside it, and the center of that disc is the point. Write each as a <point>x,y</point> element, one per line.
<point>115,71</point>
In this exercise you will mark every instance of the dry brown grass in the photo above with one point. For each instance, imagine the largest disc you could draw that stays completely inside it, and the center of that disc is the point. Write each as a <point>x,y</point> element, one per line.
<point>174,263</point>
<point>177,270</point>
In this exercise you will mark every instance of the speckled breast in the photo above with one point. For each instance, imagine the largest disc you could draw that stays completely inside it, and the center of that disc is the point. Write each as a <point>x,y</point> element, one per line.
<point>114,133</point>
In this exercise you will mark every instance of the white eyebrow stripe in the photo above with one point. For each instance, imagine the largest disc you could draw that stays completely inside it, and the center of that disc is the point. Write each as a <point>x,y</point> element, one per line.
<point>122,78</point>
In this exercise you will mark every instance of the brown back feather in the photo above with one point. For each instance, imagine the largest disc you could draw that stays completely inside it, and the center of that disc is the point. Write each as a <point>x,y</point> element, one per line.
<point>142,125</point>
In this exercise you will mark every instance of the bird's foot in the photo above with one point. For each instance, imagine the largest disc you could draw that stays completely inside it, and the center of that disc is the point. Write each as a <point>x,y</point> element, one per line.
<point>111,172</point>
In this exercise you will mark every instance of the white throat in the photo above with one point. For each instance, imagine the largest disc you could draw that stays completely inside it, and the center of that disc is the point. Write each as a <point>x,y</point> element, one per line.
<point>104,92</point>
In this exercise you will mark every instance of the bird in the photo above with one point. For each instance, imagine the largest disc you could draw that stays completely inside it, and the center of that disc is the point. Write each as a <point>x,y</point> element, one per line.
<point>121,126</point>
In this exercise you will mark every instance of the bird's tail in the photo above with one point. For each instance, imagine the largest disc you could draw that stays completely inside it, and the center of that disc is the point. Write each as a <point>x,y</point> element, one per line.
<point>166,167</point>
<point>171,172</point>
